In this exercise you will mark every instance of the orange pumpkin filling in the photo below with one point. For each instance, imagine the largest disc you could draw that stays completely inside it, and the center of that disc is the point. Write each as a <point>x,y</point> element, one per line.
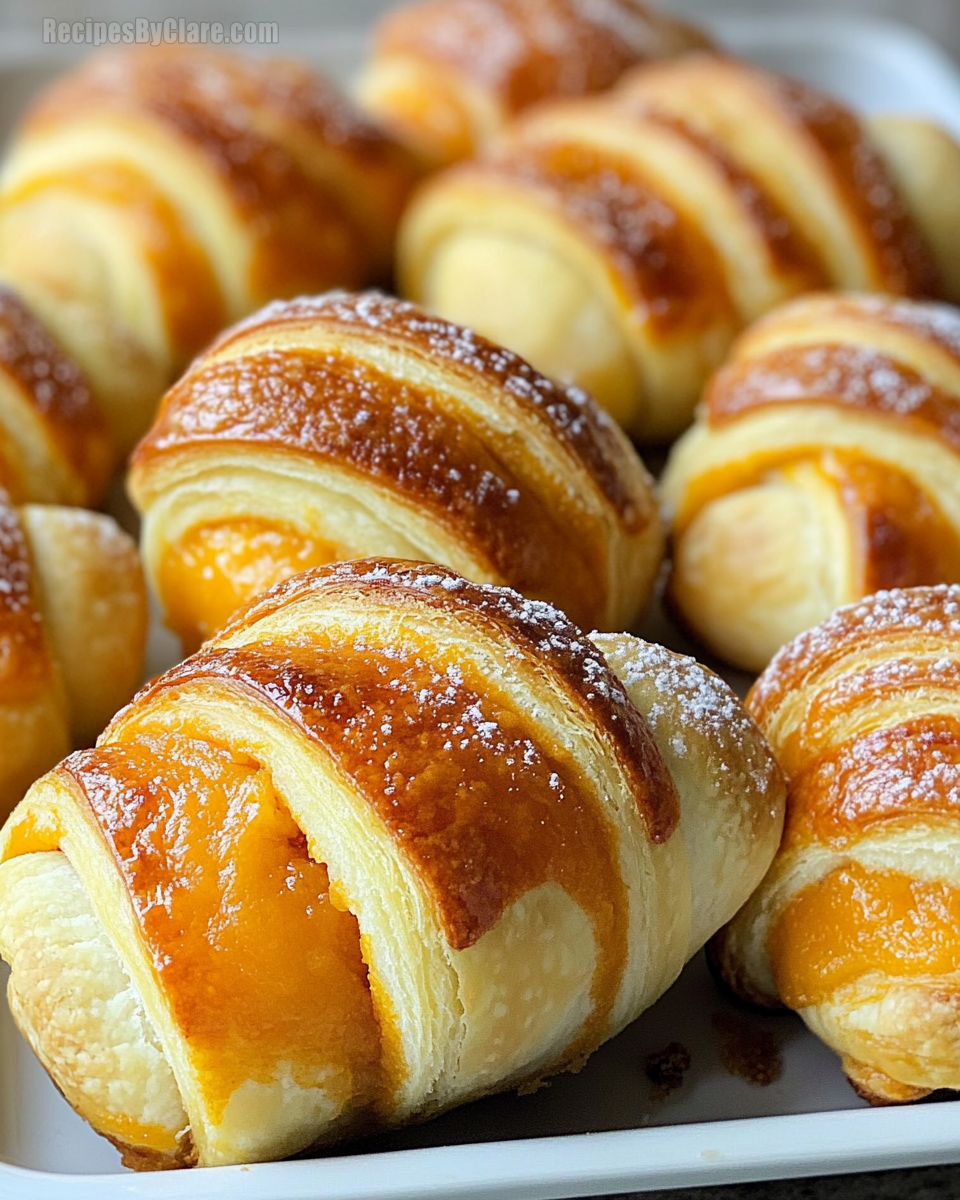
<point>855,922</point>
<point>261,971</point>
<point>215,568</point>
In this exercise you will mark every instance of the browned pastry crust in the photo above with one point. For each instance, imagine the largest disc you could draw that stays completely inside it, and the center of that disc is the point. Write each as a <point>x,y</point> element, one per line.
<point>446,75</point>
<point>157,193</point>
<point>856,924</point>
<point>623,241</point>
<point>331,428</point>
<point>823,466</point>
<point>418,840</point>
<point>54,445</point>
<point>73,619</point>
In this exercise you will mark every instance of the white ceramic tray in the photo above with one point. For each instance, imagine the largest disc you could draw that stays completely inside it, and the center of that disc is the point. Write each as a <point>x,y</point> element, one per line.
<point>604,1130</point>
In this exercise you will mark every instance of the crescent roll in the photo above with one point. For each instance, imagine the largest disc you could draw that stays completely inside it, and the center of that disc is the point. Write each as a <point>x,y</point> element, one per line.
<point>622,242</point>
<point>390,842</point>
<point>345,426</point>
<point>857,923</point>
<point>447,76</point>
<point>155,194</point>
<point>73,624</point>
<point>824,465</point>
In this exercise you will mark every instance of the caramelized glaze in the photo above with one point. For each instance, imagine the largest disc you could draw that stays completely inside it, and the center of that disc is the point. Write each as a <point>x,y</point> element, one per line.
<point>671,273</point>
<point>527,50</point>
<point>24,660</point>
<point>568,413</point>
<point>213,568</point>
<point>482,806</point>
<point>246,118</point>
<point>900,774</point>
<point>187,288</point>
<point>342,411</point>
<point>902,258</point>
<point>261,973</point>
<point>536,632</point>
<point>848,376</point>
<point>857,922</point>
<point>56,388</point>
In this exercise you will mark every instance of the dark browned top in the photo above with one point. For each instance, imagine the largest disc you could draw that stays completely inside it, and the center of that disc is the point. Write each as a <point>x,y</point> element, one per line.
<point>881,630</point>
<point>790,251</point>
<point>533,628</point>
<point>340,410</point>
<point>567,413</point>
<point>903,259</point>
<point>309,235</point>
<point>848,376</point>
<point>527,50</point>
<point>671,273</point>
<point>55,387</point>
<point>887,236</point>
<point>24,662</point>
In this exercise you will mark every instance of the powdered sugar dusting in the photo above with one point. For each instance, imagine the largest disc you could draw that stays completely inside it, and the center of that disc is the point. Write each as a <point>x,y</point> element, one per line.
<point>886,617</point>
<point>939,323</point>
<point>853,377</point>
<point>692,702</point>
<point>568,412</point>
<point>528,629</point>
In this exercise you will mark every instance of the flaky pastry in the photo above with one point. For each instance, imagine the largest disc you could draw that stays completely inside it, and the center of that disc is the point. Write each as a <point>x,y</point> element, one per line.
<point>392,841</point>
<point>73,618</point>
<point>447,76</point>
<point>824,465</point>
<point>621,242</point>
<point>857,923</point>
<point>351,425</point>
<point>156,194</point>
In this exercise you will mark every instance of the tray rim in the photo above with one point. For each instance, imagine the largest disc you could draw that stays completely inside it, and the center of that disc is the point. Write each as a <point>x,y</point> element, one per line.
<point>630,1160</point>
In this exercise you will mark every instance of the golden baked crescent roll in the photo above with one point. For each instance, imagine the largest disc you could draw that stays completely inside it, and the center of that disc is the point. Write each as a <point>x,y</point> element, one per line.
<point>857,923</point>
<point>448,75</point>
<point>621,242</point>
<point>824,465</point>
<point>73,624</point>
<point>154,195</point>
<point>54,444</point>
<point>390,842</point>
<point>351,425</point>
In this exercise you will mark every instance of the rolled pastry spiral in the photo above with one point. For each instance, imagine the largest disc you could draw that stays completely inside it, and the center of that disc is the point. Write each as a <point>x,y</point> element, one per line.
<point>355,425</point>
<point>54,444</point>
<point>392,841</point>
<point>857,924</point>
<point>73,622</point>
<point>824,465</point>
<point>622,242</point>
<point>154,195</point>
<point>447,76</point>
